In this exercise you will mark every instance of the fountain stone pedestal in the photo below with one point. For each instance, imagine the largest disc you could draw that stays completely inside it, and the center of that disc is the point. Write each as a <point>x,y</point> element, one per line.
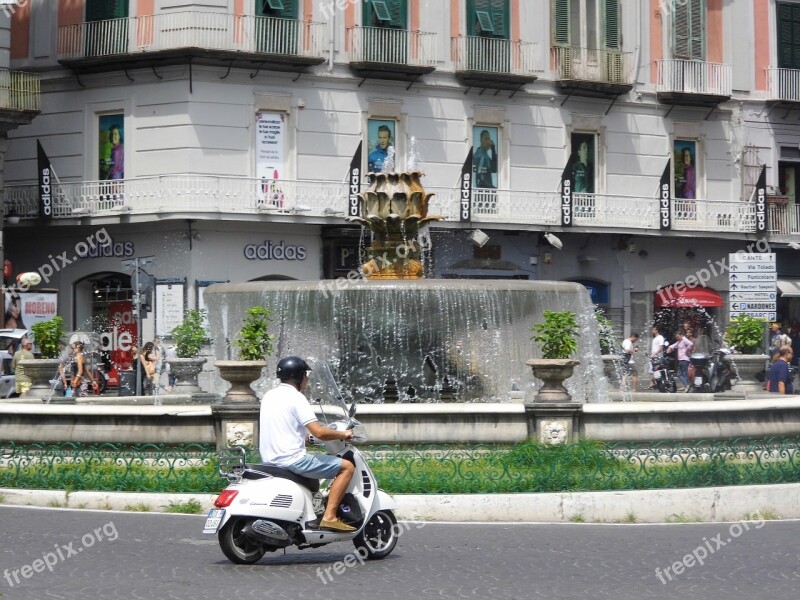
<point>41,371</point>
<point>553,418</point>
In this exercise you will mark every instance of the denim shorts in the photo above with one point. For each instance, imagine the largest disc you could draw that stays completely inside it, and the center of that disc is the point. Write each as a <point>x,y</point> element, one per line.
<point>317,466</point>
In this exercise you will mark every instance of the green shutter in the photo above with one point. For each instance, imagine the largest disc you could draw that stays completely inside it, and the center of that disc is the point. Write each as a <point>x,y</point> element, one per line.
<point>612,32</point>
<point>561,22</point>
<point>398,14</point>
<point>497,11</point>
<point>788,36</point>
<point>688,30</point>
<point>289,11</point>
<point>101,10</point>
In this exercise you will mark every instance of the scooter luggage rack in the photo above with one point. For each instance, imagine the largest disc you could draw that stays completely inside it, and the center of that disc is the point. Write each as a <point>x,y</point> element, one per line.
<point>232,463</point>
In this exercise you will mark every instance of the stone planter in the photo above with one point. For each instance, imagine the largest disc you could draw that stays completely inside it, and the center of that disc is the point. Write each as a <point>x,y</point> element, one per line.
<point>41,371</point>
<point>553,372</point>
<point>240,374</point>
<point>747,366</point>
<point>186,371</point>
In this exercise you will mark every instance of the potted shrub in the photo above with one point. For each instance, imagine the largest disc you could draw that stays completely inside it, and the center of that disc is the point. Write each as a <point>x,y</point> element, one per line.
<point>746,336</point>
<point>47,337</point>
<point>557,340</point>
<point>253,344</point>
<point>189,338</point>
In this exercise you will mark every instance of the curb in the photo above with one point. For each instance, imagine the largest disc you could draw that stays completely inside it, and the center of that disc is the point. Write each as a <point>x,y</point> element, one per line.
<point>715,504</point>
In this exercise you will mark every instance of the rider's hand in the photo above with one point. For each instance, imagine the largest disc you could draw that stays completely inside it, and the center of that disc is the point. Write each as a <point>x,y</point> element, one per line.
<point>348,435</point>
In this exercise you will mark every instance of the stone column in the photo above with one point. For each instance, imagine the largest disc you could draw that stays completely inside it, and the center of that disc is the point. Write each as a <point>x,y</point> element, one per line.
<point>236,424</point>
<point>554,422</point>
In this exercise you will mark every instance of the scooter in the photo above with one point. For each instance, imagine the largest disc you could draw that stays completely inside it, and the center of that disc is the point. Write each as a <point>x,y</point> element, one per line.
<point>663,375</point>
<point>712,373</point>
<point>266,508</point>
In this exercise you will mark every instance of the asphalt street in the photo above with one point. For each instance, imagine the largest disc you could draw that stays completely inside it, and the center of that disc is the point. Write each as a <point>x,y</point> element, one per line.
<point>61,554</point>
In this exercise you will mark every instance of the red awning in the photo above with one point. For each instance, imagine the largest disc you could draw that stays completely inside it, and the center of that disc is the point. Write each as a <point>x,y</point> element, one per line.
<point>688,297</point>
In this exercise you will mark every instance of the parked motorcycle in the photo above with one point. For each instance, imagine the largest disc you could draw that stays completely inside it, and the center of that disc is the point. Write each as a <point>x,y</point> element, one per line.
<point>266,508</point>
<point>664,374</point>
<point>712,373</point>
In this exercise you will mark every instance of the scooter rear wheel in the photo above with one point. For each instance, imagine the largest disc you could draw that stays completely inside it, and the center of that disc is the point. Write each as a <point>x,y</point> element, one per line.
<point>236,546</point>
<point>379,536</point>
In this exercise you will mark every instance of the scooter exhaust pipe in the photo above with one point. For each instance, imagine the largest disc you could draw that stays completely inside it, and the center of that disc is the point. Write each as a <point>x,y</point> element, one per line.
<point>267,532</point>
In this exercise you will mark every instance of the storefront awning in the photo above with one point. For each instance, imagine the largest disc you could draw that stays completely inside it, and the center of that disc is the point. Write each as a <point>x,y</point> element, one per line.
<point>687,297</point>
<point>789,288</point>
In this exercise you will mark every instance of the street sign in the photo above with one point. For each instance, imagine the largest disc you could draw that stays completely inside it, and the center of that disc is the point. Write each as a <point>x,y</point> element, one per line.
<point>752,285</point>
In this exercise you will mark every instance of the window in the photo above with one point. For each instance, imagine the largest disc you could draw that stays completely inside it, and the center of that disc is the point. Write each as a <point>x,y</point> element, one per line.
<point>280,9</point>
<point>592,24</point>
<point>688,30</point>
<point>386,13</point>
<point>488,18</point>
<point>278,33</point>
<point>102,10</point>
<point>788,36</point>
<point>109,38</point>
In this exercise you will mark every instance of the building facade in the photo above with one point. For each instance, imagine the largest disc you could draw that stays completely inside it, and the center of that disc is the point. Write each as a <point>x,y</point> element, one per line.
<point>218,136</point>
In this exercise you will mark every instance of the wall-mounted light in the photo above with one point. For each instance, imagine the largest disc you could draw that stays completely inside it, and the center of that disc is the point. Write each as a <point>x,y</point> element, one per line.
<point>643,253</point>
<point>689,254</point>
<point>12,218</point>
<point>553,240</point>
<point>479,238</point>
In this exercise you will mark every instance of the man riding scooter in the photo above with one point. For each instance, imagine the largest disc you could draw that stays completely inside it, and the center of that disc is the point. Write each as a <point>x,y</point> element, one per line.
<point>285,419</point>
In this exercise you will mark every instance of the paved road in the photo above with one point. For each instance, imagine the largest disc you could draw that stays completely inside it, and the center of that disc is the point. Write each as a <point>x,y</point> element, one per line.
<point>125,556</point>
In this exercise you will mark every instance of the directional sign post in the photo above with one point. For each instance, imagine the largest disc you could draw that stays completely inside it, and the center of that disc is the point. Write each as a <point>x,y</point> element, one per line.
<point>752,282</point>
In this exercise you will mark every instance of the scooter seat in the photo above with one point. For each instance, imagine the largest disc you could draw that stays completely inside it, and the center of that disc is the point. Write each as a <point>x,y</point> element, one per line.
<point>308,482</point>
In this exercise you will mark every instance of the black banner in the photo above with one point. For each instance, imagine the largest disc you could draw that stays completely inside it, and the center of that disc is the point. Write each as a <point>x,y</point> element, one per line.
<point>46,183</point>
<point>354,182</point>
<point>761,202</point>
<point>465,189</point>
<point>665,198</point>
<point>567,185</point>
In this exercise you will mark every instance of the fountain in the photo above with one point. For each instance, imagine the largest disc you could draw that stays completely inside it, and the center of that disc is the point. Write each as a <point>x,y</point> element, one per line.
<point>395,336</point>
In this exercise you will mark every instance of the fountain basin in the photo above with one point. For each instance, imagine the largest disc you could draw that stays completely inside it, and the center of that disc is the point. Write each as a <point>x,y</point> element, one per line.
<point>419,340</point>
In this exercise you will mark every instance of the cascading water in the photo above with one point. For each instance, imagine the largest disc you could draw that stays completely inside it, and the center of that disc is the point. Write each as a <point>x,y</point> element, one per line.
<point>419,340</point>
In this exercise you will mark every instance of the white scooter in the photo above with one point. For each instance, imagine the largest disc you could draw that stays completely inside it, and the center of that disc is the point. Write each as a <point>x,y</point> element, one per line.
<point>266,508</point>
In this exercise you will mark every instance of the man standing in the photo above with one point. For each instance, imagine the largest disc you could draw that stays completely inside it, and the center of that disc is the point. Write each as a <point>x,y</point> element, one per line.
<point>286,418</point>
<point>629,347</point>
<point>777,339</point>
<point>25,352</point>
<point>656,348</point>
<point>780,378</point>
<point>484,161</point>
<point>684,347</point>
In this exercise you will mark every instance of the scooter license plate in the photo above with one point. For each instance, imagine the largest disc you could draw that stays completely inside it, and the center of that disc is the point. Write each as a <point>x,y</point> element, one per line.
<point>215,516</point>
<point>657,375</point>
<point>698,381</point>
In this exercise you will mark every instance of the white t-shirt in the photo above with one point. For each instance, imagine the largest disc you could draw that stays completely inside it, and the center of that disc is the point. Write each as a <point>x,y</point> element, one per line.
<point>657,345</point>
<point>284,414</point>
<point>627,346</point>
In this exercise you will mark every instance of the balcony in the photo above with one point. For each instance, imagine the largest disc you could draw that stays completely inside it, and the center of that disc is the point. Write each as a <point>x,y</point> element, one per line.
<point>386,53</point>
<point>783,218</point>
<point>495,63</point>
<point>783,85</point>
<point>191,36</point>
<point>693,82</point>
<point>587,72</point>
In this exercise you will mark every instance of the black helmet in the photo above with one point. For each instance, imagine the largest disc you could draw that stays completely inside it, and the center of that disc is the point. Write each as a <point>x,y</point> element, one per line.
<point>292,367</point>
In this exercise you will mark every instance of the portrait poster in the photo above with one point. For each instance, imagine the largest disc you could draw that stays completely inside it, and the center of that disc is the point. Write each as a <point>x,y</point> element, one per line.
<point>583,162</point>
<point>111,146</point>
<point>685,155</point>
<point>485,157</point>
<point>270,145</point>
<point>381,150</point>
<point>23,309</point>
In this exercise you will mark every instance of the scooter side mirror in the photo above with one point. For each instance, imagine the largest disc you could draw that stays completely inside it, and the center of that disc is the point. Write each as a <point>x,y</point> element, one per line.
<point>352,412</point>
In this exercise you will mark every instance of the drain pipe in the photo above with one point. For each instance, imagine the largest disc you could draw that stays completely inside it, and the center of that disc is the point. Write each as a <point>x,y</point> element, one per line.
<point>332,42</point>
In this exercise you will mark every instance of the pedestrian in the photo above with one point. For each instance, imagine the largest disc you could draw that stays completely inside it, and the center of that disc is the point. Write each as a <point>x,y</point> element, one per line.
<point>656,349</point>
<point>779,376</point>
<point>777,339</point>
<point>148,358</point>
<point>81,377</point>
<point>629,348</point>
<point>684,349</point>
<point>25,352</point>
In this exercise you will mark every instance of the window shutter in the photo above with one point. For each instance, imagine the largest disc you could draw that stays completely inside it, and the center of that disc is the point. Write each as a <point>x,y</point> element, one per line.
<point>612,29</point>
<point>788,36</point>
<point>289,11</point>
<point>697,31</point>
<point>561,22</point>
<point>498,14</point>
<point>101,10</point>
<point>399,11</point>
<point>688,29</point>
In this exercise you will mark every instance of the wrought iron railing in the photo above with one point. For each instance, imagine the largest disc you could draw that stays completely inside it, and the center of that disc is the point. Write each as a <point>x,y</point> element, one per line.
<point>191,29</point>
<point>694,77</point>
<point>783,84</point>
<point>19,91</point>
<point>587,64</point>
<point>495,55</point>
<point>716,215</point>
<point>783,219</point>
<point>391,46</point>
<point>524,467</point>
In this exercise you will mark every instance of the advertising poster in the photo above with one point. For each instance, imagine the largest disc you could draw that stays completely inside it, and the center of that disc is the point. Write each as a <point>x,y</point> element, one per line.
<point>122,337</point>
<point>112,147</point>
<point>685,155</point>
<point>381,152</point>
<point>484,157</point>
<point>26,308</point>
<point>583,160</point>
<point>170,306</point>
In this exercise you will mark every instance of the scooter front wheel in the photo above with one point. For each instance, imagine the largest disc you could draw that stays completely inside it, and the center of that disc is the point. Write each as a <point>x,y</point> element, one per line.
<point>379,536</point>
<point>236,546</point>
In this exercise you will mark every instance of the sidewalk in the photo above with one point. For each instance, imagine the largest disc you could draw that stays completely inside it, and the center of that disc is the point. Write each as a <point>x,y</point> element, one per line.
<point>645,506</point>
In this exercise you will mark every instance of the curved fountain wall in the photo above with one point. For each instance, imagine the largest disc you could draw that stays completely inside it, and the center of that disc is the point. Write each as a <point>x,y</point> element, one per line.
<point>437,340</point>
